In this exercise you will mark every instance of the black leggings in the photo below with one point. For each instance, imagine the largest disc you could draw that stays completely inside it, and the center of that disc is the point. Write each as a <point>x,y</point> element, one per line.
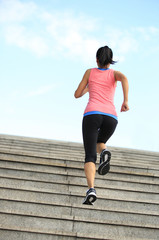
<point>97,128</point>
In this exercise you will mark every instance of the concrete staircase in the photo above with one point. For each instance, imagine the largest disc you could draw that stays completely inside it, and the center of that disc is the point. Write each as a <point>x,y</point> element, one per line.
<point>42,185</point>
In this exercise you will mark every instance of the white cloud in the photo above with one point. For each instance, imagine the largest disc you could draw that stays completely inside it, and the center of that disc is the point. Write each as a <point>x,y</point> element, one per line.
<point>72,34</point>
<point>147,33</point>
<point>17,19</point>
<point>41,90</point>
<point>47,34</point>
<point>154,30</point>
<point>21,37</point>
<point>14,10</point>
<point>121,41</point>
<point>28,26</point>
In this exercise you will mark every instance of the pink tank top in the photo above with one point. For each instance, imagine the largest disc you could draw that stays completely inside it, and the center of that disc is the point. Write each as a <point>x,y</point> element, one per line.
<point>102,87</point>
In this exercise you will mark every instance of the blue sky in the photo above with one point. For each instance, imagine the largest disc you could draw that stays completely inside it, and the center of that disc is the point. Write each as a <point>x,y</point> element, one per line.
<point>45,48</point>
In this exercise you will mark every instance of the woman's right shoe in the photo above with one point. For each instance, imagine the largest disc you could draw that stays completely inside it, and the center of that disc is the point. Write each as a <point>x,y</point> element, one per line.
<point>104,165</point>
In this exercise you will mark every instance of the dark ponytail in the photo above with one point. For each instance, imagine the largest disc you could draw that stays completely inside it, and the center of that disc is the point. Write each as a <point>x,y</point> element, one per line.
<point>104,56</point>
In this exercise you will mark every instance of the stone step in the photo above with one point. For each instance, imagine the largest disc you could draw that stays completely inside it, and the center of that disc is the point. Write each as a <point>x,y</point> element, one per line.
<point>45,210</point>
<point>51,148</point>
<point>144,160</point>
<point>103,202</point>
<point>41,147</point>
<point>116,162</point>
<point>56,169</point>
<point>115,193</point>
<point>40,141</point>
<point>42,186</point>
<point>57,235</point>
<point>67,145</point>
<point>76,180</point>
<point>77,224</point>
<point>76,164</point>
<point>25,235</point>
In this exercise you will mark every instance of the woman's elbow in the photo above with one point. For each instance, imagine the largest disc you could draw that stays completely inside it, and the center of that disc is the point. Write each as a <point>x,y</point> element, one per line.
<point>76,95</point>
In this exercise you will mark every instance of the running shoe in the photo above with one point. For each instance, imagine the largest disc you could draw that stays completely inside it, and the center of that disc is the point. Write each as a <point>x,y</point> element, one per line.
<point>104,165</point>
<point>90,197</point>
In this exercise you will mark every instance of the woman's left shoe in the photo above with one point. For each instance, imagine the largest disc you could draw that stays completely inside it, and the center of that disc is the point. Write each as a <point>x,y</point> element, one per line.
<point>104,165</point>
<point>90,197</point>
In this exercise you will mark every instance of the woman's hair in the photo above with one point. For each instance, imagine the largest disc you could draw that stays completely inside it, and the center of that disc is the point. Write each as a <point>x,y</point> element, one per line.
<point>104,56</point>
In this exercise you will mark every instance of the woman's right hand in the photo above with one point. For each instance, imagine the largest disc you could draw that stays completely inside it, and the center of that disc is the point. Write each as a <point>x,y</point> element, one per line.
<point>124,107</point>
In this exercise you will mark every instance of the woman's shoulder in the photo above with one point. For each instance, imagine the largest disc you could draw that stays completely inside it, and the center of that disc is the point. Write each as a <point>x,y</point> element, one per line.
<point>90,69</point>
<point>87,72</point>
<point>112,70</point>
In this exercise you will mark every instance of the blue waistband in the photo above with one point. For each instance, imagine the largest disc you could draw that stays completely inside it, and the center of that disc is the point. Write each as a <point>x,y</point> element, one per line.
<point>102,113</point>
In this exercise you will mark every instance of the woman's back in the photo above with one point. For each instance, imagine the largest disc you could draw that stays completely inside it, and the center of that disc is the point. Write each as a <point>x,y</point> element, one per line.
<point>102,87</point>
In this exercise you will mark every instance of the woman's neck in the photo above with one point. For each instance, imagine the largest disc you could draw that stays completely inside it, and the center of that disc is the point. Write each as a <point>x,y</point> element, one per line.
<point>103,67</point>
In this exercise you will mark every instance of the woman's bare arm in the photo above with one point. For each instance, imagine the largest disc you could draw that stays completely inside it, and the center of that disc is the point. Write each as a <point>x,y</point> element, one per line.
<point>83,86</point>
<point>125,85</point>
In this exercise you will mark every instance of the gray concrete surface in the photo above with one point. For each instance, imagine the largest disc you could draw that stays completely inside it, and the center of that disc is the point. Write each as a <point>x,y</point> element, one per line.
<point>42,185</point>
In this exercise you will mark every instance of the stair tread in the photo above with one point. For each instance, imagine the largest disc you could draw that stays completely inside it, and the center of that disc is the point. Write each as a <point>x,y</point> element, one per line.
<point>79,181</point>
<point>106,202</point>
<point>18,234</point>
<point>49,170</point>
<point>84,219</point>
<point>74,224</point>
<point>97,212</point>
<point>42,186</point>
<point>79,165</point>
